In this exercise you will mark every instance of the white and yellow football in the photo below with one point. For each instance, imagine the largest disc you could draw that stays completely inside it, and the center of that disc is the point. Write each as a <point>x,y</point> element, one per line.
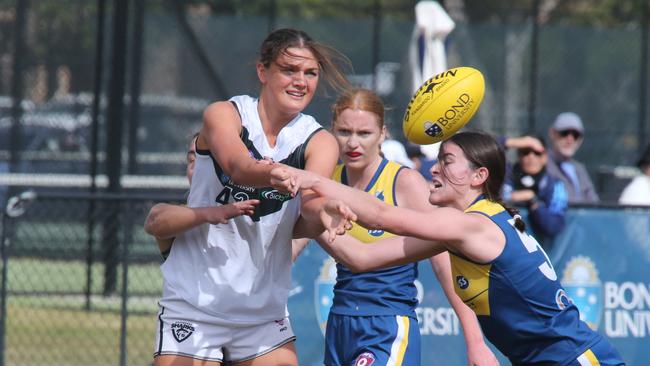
<point>443,105</point>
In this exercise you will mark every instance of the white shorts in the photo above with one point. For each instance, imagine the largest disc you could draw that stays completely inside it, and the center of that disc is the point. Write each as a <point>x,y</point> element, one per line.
<point>184,331</point>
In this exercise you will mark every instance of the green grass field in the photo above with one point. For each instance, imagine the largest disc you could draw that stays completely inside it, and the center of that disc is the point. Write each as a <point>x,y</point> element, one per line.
<point>55,329</point>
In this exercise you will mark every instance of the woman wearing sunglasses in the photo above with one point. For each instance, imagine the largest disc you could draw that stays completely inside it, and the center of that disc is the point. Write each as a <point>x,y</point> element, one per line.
<point>544,195</point>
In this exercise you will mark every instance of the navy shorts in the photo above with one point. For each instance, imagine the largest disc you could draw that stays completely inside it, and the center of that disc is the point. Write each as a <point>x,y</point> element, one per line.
<point>372,341</point>
<point>600,354</point>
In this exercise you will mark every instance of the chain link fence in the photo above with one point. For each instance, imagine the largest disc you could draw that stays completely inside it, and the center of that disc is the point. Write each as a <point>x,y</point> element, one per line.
<point>80,276</point>
<point>80,281</point>
<point>179,56</point>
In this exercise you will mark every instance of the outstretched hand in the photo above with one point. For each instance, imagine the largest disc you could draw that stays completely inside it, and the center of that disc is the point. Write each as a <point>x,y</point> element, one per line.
<point>235,209</point>
<point>221,214</point>
<point>337,218</point>
<point>290,180</point>
<point>284,180</point>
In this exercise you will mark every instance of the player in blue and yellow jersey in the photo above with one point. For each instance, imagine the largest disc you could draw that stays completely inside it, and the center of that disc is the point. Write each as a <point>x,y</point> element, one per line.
<point>372,320</point>
<point>499,270</point>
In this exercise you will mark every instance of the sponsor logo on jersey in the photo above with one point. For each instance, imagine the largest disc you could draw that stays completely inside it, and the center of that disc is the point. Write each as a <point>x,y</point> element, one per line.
<point>583,287</point>
<point>324,291</point>
<point>273,194</point>
<point>462,282</point>
<point>181,331</point>
<point>365,359</point>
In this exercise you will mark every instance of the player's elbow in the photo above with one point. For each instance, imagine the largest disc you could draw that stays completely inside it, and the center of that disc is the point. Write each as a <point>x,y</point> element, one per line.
<point>359,264</point>
<point>152,223</point>
<point>242,173</point>
<point>237,174</point>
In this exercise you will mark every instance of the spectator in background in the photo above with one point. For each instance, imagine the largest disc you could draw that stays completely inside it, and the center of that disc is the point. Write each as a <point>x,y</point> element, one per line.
<point>637,192</point>
<point>415,154</point>
<point>394,150</point>
<point>421,162</point>
<point>543,194</point>
<point>567,134</point>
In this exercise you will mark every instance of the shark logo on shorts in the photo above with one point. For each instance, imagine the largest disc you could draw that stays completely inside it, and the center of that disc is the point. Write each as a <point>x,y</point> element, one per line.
<point>365,359</point>
<point>182,330</point>
<point>583,287</point>
<point>281,326</point>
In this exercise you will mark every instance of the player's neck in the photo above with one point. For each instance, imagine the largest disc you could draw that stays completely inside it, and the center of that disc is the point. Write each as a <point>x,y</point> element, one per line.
<point>359,177</point>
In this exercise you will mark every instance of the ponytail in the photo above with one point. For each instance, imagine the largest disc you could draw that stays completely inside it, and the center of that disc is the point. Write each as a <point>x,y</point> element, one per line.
<point>514,212</point>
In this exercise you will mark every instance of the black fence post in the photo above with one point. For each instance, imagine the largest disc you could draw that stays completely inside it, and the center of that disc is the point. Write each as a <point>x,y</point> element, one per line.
<point>136,82</point>
<point>94,138</point>
<point>4,246</point>
<point>376,40</point>
<point>124,312</point>
<point>273,8</point>
<point>643,75</point>
<point>17,84</point>
<point>114,124</point>
<point>16,207</point>
<point>534,50</point>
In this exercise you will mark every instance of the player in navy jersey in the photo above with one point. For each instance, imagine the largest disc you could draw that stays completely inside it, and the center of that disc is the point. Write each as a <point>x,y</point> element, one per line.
<point>372,319</point>
<point>499,270</point>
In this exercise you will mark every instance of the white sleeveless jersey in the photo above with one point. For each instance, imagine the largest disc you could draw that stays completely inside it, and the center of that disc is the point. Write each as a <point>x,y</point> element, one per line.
<point>240,272</point>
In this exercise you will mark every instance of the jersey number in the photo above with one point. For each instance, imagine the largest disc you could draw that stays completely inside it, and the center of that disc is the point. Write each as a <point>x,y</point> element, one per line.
<point>224,196</point>
<point>532,245</point>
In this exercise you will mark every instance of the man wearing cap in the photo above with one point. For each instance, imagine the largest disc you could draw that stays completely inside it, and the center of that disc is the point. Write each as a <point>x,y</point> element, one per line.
<point>567,133</point>
<point>637,192</point>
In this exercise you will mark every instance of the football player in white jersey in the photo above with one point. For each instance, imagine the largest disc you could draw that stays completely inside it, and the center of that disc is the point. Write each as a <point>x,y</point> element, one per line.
<point>225,286</point>
<point>166,221</point>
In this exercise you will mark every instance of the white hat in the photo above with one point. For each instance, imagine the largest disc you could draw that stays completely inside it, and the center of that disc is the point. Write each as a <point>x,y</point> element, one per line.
<point>395,151</point>
<point>568,121</point>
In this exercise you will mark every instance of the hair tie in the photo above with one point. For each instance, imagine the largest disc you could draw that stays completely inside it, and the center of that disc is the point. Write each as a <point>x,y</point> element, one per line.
<point>517,217</point>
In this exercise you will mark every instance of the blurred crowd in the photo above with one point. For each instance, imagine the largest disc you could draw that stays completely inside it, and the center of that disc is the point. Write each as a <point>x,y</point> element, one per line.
<point>544,177</point>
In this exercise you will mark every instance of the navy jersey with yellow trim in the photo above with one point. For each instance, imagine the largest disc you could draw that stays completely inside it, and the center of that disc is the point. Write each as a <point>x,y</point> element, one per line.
<point>519,301</point>
<point>389,291</point>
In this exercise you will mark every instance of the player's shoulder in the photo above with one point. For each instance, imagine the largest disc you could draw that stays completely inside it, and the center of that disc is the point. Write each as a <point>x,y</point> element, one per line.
<point>411,190</point>
<point>218,109</point>
<point>322,138</point>
<point>407,177</point>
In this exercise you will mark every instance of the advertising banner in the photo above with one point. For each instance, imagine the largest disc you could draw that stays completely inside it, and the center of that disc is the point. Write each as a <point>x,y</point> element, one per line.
<point>602,258</point>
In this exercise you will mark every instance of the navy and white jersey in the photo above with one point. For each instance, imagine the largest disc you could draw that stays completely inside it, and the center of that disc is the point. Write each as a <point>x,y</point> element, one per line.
<point>389,291</point>
<point>519,301</point>
<point>240,272</point>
